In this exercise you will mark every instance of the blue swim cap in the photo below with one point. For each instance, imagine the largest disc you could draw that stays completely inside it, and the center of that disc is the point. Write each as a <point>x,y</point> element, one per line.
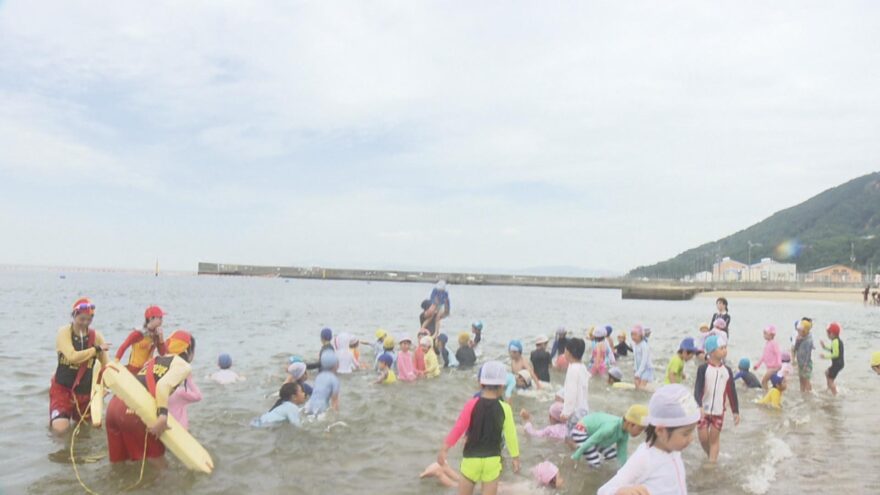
<point>608,329</point>
<point>326,334</point>
<point>296,359</point>
<point>443,338</point>
<point>687,345</point>
<point>386,358</point>
<point>744,364</point>
<point>711,344</point>
<point>776,379</point>
<point>515,345</point>
<point>225,361</point>
<point>328,360</point>
<point>477,324</point>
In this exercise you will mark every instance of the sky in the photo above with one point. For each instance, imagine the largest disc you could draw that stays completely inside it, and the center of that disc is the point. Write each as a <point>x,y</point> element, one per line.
<point>479,135</point>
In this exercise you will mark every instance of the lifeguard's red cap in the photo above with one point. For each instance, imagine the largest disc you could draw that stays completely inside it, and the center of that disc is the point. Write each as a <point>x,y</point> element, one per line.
<point>83,305</point>
<point>154,312</point>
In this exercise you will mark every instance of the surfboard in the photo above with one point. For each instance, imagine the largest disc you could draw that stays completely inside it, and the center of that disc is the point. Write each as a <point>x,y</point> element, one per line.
<point>96,406</point>
<point>176,439</point>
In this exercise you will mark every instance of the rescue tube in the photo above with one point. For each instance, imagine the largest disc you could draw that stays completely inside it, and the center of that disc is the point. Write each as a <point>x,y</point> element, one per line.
<point>96,405</point>
<point>176,439</point>
<point>623,386</point>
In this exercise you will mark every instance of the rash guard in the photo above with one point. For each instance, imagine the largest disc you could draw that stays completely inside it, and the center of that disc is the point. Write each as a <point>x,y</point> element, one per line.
<point>485,421</point>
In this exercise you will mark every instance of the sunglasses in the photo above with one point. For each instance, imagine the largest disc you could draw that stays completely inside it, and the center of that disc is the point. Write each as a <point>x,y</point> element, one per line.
<point>84,307</point>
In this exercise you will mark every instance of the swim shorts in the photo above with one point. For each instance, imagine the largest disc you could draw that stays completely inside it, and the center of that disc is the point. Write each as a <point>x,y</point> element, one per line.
<point>713,421</point>
<point>805,370</point>
<point>127,437</point>
<point>62,405</point>
<point>833,371</point>
<point>481,469</point>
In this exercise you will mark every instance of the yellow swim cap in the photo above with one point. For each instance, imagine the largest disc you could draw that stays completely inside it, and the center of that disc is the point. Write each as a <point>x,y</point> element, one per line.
<point>637,415</point>
<point>380,334</point>
<point>388,343</point>
<point>464,338</point>
<point>806,325</point>
<point>875,359</point>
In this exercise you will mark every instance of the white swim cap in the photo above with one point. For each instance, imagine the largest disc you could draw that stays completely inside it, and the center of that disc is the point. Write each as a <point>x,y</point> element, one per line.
<point>493,373</point>
<point>672,406</point>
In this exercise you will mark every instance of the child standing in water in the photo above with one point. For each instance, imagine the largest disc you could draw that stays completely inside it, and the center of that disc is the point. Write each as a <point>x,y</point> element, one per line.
<point>622,349</point>
<point>675,369</point>
<point>773,398</point>
<point>465,354</point>
<point>747,376</point>
<point>656,466</point>
<point>406,369</point>
<point>325,393</point>
<point>602,356</point>
<point>540,359</point>
<point>184,395</point>
<point>576,390</point>
<point>485,420</point>
<point>835,354</point>
<point>803,354</point>
<point>713,390</point>
<point>644,370</point>
<point>386,374</point>
<point>772,357</point>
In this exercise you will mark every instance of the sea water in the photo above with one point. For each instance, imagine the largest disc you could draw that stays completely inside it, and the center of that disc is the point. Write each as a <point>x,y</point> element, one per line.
<point>384,436</point>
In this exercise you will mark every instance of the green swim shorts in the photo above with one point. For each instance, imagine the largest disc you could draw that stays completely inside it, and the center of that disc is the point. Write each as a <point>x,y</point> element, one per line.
<point>481,469</point>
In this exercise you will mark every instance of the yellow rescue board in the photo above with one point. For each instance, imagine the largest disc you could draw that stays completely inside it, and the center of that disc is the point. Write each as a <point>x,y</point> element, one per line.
<point>96,406</point>
<point>176,439</point>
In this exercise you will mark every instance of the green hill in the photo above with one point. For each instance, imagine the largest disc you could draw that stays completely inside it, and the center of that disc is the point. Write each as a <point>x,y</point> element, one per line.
<point>813,234</point>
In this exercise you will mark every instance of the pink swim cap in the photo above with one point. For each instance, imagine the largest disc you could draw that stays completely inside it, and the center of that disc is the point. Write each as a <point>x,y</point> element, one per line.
<point>545,472</point>
<point>771,329</point>
<point>720,324</point>
<point>556,411</point>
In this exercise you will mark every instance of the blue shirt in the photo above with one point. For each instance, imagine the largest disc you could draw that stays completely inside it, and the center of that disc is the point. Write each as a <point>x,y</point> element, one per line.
<point>440,298</point>
<point>287,411</point>
<point>326,387</point>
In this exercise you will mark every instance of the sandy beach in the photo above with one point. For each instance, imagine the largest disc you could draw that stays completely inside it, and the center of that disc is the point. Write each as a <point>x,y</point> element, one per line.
<point>819,294</point>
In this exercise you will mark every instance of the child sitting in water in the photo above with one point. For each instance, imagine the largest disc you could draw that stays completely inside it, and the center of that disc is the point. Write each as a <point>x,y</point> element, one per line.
<point>325,393</point>
<point>449,360</point>
<point>675,369</point>
<point>225,375</point>
<point>835,354</point>
<point>599,435</point>
<point>484,420</point>
<point>465,354</point>
<point>388,348</point>
<point>803,353</point>
<point>773,398</point>
<point>656,466</point>
<point>406,369</point>
<point>771,357</point>
<point>713,390</point>
<point>747,376</point>
<point>644,370</point>
<point>556,430</point>
<point>326,346</point>
<point>386,374</point>
<point>622,349</point>
<point>285,409</point>
<point>519,363</point>
<point>615,377</point>
<point>544,474</point>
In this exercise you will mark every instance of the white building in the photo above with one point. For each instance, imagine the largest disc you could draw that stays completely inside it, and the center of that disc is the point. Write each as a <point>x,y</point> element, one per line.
<point>704,276</point>
<point>769,270</point>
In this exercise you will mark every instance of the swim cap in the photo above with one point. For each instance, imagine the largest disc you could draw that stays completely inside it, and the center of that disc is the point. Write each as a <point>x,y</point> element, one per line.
<point>380,334</point>
<point>388,343</point>
<point>600,333</point>
<point>776,379</point>
<point>744,364</point>
<point>83,305</point>
<point>615,373</point>
<point>637,330</point>
<point>178,342</point>
<point>443,338</point>
<point>545,473</point>
<point>464,338</point>
<point>672,406</point>
<point>328,360</point>
<point>608,329</point>
<point>786,356</point>
<point>875,358</point>
<point>387,359</point>
<point>687,344</point>
<point>425,341</point>
<point>560,331</point>
<point>771,329</point>
<point>295,359</point>
<point>555,410</point>
<point>704,327</point>
<point>224,361</point>
<point>404,338</point>
<point>477,324</point>
<point>541,339</point>
<point>526,376</point>
<point>805,324</point>
<point>426,304</point>
<point>711,344</point>
<point>297,370</point>
<point>493,373</point>
<point>441,285</point>
<point>154,312</point>
<point>720,324</point>
<point>637,414</point>
<point>515,346</point>
<point>326,334</point>
<point>834,328</point>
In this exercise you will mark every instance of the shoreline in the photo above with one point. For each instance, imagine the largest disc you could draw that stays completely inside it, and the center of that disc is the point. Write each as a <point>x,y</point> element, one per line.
<point>818,294</point>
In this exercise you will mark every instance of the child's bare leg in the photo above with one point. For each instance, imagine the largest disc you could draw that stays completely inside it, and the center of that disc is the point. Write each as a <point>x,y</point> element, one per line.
<point>490,488</point>
<point>766,378</point>
<point>831,386</point>
<point>451,473</point>
<point>433,469</point>
<point>703,433</point>
<point>465,487</point>
<point>714,444</point>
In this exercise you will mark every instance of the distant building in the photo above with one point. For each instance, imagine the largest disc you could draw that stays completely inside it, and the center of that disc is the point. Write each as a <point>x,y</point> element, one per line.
<point>703,276</point>
<point>769,270</point>
<point>836,274</point>
<point>728,270</point>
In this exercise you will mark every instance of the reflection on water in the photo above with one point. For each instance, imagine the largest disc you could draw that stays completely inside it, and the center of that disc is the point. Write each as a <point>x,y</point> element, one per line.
<point>389,434</point>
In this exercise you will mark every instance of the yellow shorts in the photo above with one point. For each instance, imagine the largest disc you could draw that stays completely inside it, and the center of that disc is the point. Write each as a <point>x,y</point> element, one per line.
<point>481,469</point>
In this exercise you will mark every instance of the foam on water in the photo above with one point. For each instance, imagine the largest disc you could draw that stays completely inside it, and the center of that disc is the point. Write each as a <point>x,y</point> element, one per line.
<point>765,474</point>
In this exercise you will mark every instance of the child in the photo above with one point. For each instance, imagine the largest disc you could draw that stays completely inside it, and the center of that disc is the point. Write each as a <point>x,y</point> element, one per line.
<point>225,376</point>
<point>547,474</point>
<point>519,363</point>
<point>326,345</point>
<point>432,365</point>
<point>297,372</point>
<point>379,344</point>
<point>556,430</point>
<point>713,390</point>
<point>747,376</point>
<point>540,359</point>
<point>544,474</point>
<point>575,403</point>
<point>644,371</point>
<point>599,433</point>
<point>420,357</point>
<point>774,396</point>
<point>386,374</point>
<point>439,303</point>
<point>477,330</point>
<point>622,349</point>
<point>875,362</point>
<point>615,377</point>
<point>484,419</point>
<point>675,369</point>
<point>803,353</point>
<point>285,409</point>
<point>144,341</point>
<point>771,357</point>
<point>325,393</point>
<point>558,348</point>
<point>181,398</point>
<point>346,344</point>
<point>465,354</point>
<point>602,356</point>
<point>428,317</point>
<point>406,369</point>
<point>656,466</point>
<point>835,354</point>
<point>523,379</point>
<point>388,348</point>
<point>786,369</point>
<point>449,360</point>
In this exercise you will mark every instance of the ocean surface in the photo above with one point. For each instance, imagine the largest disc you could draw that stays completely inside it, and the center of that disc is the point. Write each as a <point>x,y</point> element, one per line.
<point>388,434</point>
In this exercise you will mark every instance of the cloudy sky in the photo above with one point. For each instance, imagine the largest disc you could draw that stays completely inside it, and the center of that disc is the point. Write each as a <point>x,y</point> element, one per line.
<point>421,134</point>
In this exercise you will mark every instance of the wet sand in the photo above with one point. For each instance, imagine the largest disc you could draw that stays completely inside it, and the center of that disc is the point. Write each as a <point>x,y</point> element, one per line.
<point>819,294</point>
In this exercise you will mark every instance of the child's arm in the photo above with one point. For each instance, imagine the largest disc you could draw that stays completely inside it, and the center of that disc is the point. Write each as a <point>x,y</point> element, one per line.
<point>458,429</point>
<point>732,397</point>
<point>699,385</point>
<point>834,350</point>
<point>334,402</point>
<point>510,438</point>
<point>382,376</point>
<point>628,476</point>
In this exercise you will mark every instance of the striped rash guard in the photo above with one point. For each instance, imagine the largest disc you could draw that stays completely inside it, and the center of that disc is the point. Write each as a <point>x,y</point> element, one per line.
<point>715,387</point>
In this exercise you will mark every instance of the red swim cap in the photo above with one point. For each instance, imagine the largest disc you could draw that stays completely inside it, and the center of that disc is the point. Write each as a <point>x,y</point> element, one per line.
<point>834,328</point>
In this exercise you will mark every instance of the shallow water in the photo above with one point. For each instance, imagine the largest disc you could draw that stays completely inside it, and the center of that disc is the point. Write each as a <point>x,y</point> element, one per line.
<point>818,444</point>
